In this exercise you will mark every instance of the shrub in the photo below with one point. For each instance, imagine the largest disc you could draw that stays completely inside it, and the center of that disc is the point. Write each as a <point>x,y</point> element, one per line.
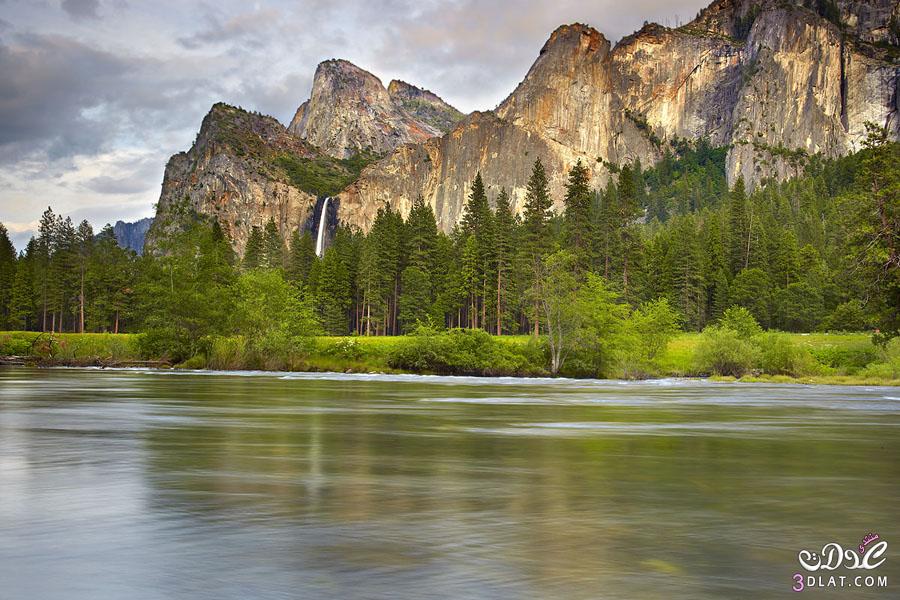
<point>346,348</point>
<point>723,351</point>
<point>225,353</point>
<point>849,359</point>
<point>163,343</point>
<point>458,352</point>
<point>741,321</point>
<point>778,355</point>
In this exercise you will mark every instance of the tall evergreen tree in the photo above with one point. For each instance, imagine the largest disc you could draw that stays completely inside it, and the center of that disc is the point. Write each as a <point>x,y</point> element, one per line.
<point>7,275</point>
<point>538,241</point>
<point>273,246</point>
<point>578,218</point>
<point>254,251</point>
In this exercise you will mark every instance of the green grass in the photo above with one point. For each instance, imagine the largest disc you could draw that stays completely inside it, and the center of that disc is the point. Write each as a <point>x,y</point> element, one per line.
<point>844,359</point>
<point>86,348</point>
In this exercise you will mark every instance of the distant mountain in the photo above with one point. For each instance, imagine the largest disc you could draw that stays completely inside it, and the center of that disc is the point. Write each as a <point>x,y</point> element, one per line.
<point>131,235</point>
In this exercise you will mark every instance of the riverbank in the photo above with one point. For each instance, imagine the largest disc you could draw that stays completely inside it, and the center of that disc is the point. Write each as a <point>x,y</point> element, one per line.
<point>839,359</point>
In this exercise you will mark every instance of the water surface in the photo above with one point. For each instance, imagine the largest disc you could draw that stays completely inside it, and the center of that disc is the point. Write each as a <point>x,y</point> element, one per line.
<point>147,485</point>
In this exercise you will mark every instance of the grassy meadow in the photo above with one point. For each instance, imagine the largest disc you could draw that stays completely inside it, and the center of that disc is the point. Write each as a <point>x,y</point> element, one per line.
<point>833,358</point>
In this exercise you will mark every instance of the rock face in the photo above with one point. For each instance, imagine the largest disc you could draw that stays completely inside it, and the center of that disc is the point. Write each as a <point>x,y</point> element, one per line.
<point>776,81</point>
<point>234,173</point>
<point>350,111</point>
<point>131,235</point>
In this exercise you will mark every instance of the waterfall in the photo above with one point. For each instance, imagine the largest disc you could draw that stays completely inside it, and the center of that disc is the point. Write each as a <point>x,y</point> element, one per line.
<point>320,236</point>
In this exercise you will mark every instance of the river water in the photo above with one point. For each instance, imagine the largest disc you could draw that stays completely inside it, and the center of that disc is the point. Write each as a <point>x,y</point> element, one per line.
<point>145,485</point>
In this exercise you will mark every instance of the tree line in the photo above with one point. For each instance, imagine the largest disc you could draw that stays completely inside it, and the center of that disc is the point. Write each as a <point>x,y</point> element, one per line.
<point>819,251</point>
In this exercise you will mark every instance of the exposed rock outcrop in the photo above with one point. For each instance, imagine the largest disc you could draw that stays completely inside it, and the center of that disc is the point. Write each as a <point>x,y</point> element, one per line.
<point>350,111</point>
<point>776,81</point>
<point>234,173</point>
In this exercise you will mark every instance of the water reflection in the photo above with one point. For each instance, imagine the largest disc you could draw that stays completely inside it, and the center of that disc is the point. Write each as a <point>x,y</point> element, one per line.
<point>148,485</point>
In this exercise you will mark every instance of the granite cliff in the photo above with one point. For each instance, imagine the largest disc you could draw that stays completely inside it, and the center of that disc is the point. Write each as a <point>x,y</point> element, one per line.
<point>774,81</point>
<point>349,112</point>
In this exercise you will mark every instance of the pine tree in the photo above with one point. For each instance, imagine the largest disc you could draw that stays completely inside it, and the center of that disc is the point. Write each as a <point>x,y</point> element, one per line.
<point>538,242</point>
<point>273,247</point>
<point>254,251</point>
<point>739,224</point>
<point>578,217</point>
<point>504,248</point>
<point>301,257</point>
<point>7,275</point>
<point>333,292</point>
<point>84,250</point>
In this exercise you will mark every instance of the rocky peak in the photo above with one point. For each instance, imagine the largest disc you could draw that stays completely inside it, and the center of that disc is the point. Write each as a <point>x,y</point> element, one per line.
<point>424,105</point>
<point>350,112</point>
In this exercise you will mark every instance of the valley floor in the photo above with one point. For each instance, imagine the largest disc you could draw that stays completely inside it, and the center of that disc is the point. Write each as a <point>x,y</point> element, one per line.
<point>842,358</point>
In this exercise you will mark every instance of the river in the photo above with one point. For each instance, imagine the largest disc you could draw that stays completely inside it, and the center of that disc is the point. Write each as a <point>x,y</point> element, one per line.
<point>151,485</point>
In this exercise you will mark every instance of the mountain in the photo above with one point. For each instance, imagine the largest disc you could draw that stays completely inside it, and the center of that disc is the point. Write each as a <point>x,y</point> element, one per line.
<point>131,235</point>
<point>777,82</point>
<point>239,171</point>
<point>774,81</point>
<point>350,112</point>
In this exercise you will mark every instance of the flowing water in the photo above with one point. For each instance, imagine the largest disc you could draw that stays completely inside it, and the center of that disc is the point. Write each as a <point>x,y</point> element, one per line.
<point>138,485</point>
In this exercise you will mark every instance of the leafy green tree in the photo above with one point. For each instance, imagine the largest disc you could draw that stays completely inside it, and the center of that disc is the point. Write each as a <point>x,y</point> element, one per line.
<point>739,224</point>
<point>110,281</point>
<point>655,323</point>
<point>333,292</point>
<point>505,242</point>
<point>185,292</point>
<point>272,315</point>
<point>798,307</point>
<point>849,316</point>
<point>872,227</point>
<point>24,299</point>
<point>741,321</point>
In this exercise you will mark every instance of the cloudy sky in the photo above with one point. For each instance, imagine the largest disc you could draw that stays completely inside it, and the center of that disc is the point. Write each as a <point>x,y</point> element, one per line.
<point>95,95</point>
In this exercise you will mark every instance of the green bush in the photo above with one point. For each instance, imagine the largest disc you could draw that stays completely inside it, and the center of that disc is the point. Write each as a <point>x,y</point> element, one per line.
<point>459,352</point>
<point>225,353</point>
<point>165,343</point>
<point>778,355</point>
<point>849,359</point>
<point>741,321</point>
<point>345,348</point>
<point>722,351</point>
<point>887,366</point>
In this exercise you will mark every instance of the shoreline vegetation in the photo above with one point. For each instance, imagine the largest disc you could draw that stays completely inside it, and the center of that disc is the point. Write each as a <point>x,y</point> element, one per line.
<point>664,272</point>
<point>817,358</point>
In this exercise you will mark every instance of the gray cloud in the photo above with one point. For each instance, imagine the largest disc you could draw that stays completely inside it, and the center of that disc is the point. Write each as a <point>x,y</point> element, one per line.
<point>82,9</point>
<point>63,97</point>
<point>249,28</point>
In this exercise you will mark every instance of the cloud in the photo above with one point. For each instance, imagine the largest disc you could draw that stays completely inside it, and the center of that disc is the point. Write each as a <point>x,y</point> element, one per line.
<point>63,98</point>
<point>82,9</point>
<point>249,28</point>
